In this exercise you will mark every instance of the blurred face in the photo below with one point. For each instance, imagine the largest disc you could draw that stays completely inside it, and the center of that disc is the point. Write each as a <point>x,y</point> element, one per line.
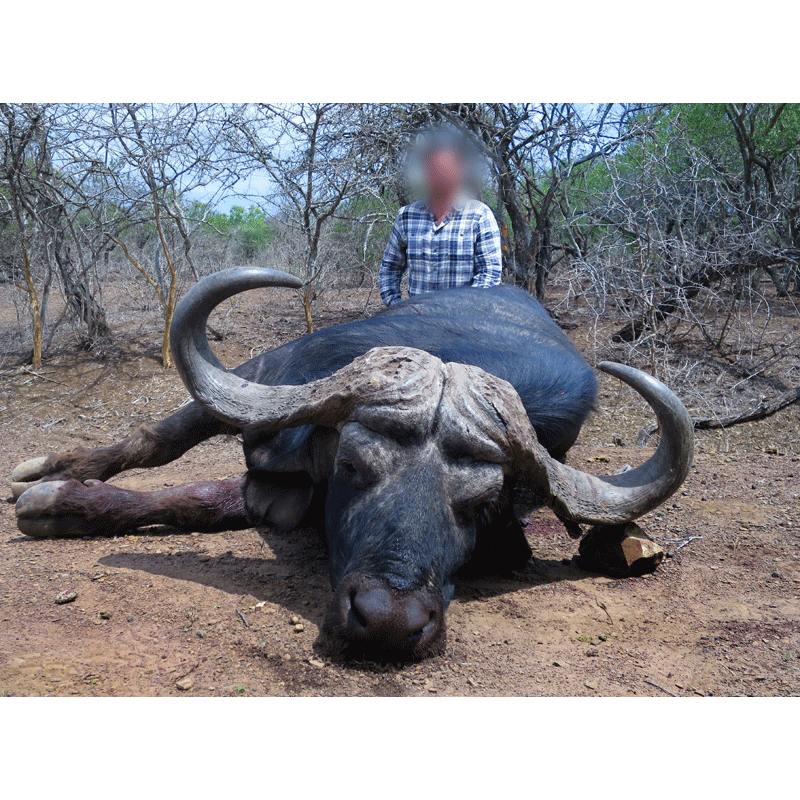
<point>444,174</point>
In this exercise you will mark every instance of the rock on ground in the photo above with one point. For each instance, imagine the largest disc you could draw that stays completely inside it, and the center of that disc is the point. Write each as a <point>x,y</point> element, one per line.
<point>619,550</point>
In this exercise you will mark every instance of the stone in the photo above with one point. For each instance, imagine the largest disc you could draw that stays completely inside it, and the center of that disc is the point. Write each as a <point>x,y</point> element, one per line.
<point>104,615</point>
<point>67,596</point>
<point>185,684</point>
<point>620,551</point>
<point>316,662</point>
<point>591,685</point>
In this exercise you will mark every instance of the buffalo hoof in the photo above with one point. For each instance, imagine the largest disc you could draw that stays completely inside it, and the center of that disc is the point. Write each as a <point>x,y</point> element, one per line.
<point>27,474</point>
<point>37,512</point>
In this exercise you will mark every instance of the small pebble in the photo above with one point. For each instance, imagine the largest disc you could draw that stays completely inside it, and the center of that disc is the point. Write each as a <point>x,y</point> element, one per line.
<point>66,597</point>
<point>185,684</point>
<point>602,637</point>
<point>104,615</point>
<point>205,557</point>
<point>595,642</point>
<point>316,662</point>
<point>201,634</point>
<point>299,628</point>
<point>294,620</point>
<point>775,574</point>
<point>286,657</point>
<point>591,685</point>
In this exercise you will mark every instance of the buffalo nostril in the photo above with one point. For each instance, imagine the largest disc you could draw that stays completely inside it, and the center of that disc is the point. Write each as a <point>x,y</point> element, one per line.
<point>356,613</point>
<point>373,608</point>
<point>418,616</point>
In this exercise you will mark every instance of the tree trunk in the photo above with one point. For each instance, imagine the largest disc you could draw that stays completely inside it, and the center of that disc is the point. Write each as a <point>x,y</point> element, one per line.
<point>77,292</point>
<point>36,316</point>
<point>307,297</point>
<point>542,254</point>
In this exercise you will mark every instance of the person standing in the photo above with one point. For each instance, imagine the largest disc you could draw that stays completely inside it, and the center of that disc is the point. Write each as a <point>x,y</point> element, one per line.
<point>446,240</point>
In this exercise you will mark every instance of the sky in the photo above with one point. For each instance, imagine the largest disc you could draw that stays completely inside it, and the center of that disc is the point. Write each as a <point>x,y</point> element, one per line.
<point>253,190</point>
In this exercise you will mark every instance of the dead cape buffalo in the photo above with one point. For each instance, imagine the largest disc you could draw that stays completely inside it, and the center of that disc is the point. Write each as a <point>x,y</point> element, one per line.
<point>402,435</point>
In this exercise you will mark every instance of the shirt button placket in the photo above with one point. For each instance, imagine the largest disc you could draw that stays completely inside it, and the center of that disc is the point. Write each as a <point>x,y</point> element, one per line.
<point>435,259</point>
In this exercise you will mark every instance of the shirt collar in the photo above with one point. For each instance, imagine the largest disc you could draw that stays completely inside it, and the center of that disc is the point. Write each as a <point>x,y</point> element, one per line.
<point>459,203</point>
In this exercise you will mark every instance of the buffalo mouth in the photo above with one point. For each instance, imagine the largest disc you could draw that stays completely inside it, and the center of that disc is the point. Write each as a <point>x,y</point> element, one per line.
<point>369,620</point>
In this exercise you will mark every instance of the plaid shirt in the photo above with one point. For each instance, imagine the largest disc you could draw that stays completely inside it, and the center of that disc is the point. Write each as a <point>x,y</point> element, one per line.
<point>464,249</point>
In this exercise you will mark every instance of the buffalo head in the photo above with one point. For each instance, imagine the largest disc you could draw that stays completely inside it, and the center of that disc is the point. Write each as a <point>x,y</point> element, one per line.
<point>418,457</point>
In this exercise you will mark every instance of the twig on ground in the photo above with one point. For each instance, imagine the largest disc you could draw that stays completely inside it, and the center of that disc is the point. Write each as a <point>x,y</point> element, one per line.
<point>683,544</point>
<point>602,605</point>
<point>43,377</point>
<point>53,423</point>
<point>658,686</point>
<point>243,618</point>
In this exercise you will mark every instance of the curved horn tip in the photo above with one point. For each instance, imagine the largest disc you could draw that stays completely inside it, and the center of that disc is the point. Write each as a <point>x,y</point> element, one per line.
<point>624,372</point>
<point>272,277</point>
<point>651,388</point>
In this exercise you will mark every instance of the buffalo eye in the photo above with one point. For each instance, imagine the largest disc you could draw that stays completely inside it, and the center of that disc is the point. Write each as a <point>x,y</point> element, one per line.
<point>487,497</point>
<point>352,475</point>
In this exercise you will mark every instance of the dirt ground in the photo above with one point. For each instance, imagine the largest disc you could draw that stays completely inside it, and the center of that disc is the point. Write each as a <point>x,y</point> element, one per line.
<point>214,612</point>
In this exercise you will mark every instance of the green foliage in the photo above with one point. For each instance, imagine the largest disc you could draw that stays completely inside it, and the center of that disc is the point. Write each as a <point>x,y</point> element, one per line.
<point>773,128</point>
<point>249,226</point>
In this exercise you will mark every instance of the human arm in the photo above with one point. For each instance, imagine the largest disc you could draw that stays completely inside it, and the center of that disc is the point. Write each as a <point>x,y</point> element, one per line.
<point>488,251</point>
<point>393,264</point>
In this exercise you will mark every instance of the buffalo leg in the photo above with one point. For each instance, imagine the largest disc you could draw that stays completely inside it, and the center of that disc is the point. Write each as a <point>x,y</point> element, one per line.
<point>94,508</point>
<point>149,446</point>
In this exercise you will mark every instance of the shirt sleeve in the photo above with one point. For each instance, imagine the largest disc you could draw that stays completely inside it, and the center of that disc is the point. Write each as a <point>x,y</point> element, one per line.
<point>488,252</point>
<point>393,264</point>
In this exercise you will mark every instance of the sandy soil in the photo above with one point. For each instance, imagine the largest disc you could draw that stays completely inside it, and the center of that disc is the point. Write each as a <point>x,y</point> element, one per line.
<point>213,612</point>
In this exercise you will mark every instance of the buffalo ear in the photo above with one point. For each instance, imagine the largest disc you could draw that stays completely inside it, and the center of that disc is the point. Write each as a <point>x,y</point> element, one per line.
<point>280,492</point>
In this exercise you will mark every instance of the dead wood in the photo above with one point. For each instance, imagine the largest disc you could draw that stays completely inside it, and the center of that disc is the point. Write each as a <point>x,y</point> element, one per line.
<point>766,408</point>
